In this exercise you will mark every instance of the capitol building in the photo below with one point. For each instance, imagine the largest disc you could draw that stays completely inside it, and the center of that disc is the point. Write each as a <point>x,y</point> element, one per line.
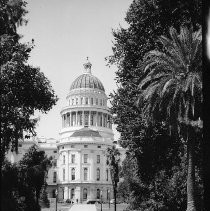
<point>79,170</point>
<point>85,135</point>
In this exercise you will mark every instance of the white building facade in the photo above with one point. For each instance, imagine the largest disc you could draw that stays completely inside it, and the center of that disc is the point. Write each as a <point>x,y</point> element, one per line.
<point>85,135</point>
<point>79,170</point>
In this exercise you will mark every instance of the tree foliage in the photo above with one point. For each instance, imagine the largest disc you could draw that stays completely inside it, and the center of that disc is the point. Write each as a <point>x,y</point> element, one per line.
<point>24,88</point>
<point>172,90</point>
<point>152,147</point>
<point>22,182</point>
<point>113,161</point>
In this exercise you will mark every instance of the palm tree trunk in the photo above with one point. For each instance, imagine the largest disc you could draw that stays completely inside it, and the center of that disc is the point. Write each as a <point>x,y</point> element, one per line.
<point>191,206</point>
<point>115,197</point>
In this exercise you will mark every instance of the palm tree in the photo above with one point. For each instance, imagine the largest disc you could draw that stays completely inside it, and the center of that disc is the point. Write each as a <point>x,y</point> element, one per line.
<point>171,90</point>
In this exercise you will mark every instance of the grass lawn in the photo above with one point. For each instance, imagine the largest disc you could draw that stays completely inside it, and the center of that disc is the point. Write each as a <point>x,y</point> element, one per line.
<point>105,207</point>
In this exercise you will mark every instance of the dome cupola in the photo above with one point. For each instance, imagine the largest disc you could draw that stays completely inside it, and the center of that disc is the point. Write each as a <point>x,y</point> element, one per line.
<point>87,80</point>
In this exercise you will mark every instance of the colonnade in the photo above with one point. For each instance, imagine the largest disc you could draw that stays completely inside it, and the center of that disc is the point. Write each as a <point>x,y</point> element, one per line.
<point>86,118</point>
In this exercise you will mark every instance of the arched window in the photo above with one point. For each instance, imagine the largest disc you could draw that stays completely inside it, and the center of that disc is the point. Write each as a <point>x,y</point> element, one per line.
<point>98,194</point>
<point>73,174</point>
<point>98,174</point>
<point>85,174</point>
<point>72,193</point>
<point>85,193</point>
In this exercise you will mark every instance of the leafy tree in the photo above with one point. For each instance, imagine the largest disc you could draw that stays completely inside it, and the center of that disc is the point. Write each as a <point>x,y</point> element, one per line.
<point>172,90</point>
<point>10,195</point>
<point>24,89</point>
<point>147,20</point>
<point>35,165</point>
<point>113,160</point>
<point>44,196</point>
<point>25,179</point>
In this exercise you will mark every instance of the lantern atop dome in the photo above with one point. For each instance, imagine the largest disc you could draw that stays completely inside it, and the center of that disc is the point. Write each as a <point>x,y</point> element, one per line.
<point>87,67</point>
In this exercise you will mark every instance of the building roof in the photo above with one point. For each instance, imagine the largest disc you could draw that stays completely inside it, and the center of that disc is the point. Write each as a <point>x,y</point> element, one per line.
<point>86,132</point>
<point>87,81</point>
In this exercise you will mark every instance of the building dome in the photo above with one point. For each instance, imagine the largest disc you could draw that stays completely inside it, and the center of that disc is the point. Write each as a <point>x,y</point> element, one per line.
<point>87,81</point>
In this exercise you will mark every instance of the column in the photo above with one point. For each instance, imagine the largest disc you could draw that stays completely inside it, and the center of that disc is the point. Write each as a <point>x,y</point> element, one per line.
<point>67,119</point>
<point>70,119</point>
<point>76,118</point>
<point>96,119</point>
<point>105,122</point>
<point>68,167</point>
<point>65,192</point>
<point>89,118</point>
<point>102,119</point>
<point>83,118</point>
<point>78,194</point>
<point>62,121</point>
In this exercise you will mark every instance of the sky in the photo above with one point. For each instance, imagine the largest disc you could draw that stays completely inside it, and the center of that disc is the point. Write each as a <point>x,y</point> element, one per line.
<point>65,33</point>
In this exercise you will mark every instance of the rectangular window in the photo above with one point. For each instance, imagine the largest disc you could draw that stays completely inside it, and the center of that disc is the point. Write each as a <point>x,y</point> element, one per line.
<point>72,146</point>
<point>63,174</point>
<point>81,99</point>
<point>96,101</point>
<point>72,101</point>
<point>64,159</point>
<point>73,174</point>
<point>91,118</point>
<point>73,158</point>
<point>101,102</point>
<point>98,158</point>
<point>85,158</point>
<point>98,174</point>
<point>54,163</point>
<point>54,177</point>
<point>55,151</point>
<point>99,146</point>
<point>91,101</point>
<point>86,100</point>
<point>85,146</point>
<point>76,101</point>
<point>85,174</point>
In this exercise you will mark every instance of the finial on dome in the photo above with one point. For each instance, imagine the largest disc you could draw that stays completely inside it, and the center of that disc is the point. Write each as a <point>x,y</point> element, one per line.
<point>87,67</point>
